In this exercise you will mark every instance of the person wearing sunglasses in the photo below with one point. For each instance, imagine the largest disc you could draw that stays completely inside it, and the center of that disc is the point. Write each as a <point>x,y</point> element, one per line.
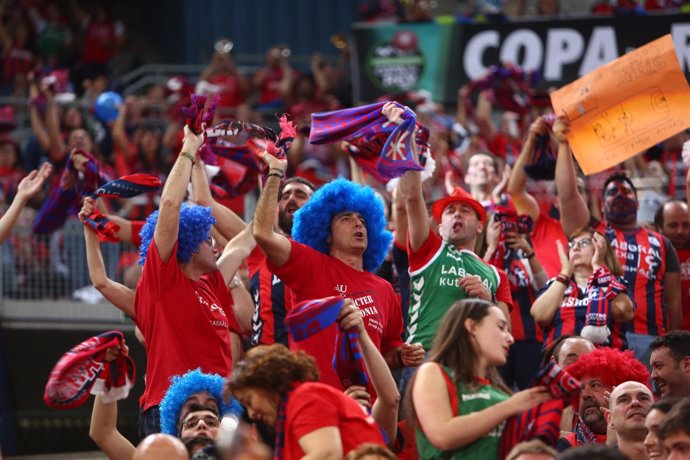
<point>588,295</point>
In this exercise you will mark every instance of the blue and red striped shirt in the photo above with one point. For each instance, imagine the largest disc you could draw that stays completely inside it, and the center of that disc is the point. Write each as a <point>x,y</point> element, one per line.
<point>272,299</point>
<point>571,315</point>
<point>524,293</point>
<point>646,256</point>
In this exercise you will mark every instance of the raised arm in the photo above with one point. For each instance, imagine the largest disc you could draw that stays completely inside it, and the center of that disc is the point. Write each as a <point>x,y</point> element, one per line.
<point>276,246</point>
<point>165,234</point>
<point>411,189</point>
<point>27,188</point>
<point>577,215</point>
<point>118,294</point>
<point>235,252</point>
<point>103,428</point>
<point>517,184</point>
<point>227,223</point>
<point>385,409</point>
<point>119,134</point>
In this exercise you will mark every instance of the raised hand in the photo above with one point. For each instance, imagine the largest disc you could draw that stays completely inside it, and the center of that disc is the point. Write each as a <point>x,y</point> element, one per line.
<point>33,182</point>
<point>87,208</point>
<point>561,128</point>
<point>599,257</point>
<point>393,113</point>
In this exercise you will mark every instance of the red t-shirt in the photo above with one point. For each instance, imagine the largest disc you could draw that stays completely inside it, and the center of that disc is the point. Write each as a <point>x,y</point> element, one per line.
<point>186,323</point>
<point>312,275</point>
<point>313,405</point>
<point>544,236</point>
<point>684,259</point>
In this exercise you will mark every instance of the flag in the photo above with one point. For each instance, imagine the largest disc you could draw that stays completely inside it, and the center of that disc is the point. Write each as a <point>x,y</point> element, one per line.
<point>367,122</point>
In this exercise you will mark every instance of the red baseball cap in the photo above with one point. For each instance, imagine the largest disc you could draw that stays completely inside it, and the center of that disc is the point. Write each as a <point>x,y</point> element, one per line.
<point>458,196</point>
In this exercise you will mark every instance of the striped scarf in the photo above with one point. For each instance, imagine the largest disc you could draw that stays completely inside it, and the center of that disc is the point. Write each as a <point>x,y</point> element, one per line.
<point>280,424</point>
<point>65,199</point>
<point>125,187</point>
<point>84,370</point>
<point>367,124</point>
<point>599,308</point>
<point>543,420</point>
<point>313,316</point>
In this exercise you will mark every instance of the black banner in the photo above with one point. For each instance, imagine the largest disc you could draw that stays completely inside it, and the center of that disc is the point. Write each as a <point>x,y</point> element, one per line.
<point>560,50</point>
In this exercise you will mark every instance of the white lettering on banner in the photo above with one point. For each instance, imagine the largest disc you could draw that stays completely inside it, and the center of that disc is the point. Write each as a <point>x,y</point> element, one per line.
<point>527,40</point>
<point>474,52</point>
<point>601,49</point>
<point>563,46</point>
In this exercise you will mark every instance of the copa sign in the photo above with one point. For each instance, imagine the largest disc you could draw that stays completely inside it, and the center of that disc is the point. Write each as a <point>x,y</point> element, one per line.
<point>564,50</point>
<point>560,50</point>
<point>560,47</point>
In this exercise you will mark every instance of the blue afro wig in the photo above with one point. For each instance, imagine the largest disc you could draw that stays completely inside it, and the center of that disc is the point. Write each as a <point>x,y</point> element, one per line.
<point>312,222</point>
<point>195,227</point>
<point>182,388</point>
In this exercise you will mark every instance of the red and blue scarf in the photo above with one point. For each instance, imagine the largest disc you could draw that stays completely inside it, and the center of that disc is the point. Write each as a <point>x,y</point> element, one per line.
<point>83,370</point>
<point>543,163</point>
<point>542,421</point>
<point>607,286</point>
<point>125,187</point>
<point>65,199</point>
<point>368,124</point>
<point>313,316</point>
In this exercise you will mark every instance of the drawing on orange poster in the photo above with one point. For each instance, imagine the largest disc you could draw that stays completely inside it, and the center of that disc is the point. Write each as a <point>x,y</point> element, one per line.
<point>626,106</point>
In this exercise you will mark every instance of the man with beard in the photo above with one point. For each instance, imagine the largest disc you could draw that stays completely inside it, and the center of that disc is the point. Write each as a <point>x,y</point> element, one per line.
<point>599,371</point>
<point>649,261</point>
<point>670,361</point>
<point>672,219</point>
<point>271,298</point>
<point>629,404</point>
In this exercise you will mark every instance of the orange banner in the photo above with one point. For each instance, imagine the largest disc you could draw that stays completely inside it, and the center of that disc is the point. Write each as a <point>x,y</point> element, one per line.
<point>625,106</point>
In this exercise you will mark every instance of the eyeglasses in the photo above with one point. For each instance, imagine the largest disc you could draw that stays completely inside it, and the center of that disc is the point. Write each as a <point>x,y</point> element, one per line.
<point>210,421</point>
<point>580,244</point>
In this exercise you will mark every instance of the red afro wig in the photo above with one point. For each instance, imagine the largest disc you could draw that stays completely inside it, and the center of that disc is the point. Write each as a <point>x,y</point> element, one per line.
<point>611,366</point>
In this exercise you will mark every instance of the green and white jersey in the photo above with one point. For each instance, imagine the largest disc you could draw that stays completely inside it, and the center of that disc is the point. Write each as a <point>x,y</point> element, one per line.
<point>435,273</point>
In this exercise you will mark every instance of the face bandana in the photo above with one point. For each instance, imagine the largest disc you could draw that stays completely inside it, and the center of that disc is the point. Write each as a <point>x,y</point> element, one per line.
<point>621,210</point>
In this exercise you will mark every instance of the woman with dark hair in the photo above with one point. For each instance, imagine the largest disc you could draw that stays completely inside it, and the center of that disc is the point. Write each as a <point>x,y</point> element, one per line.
<point>589,294</point>
<point>279,388</point>
<point>458,400</point>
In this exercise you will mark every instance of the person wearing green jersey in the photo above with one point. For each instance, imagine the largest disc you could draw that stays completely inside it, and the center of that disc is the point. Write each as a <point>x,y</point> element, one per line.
<point>458,400</point>
<point>443,267</point>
